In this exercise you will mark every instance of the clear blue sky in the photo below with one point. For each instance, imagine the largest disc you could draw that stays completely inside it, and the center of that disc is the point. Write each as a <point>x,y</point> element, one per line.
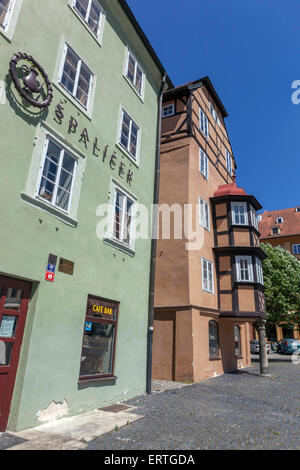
<point>250,49</point>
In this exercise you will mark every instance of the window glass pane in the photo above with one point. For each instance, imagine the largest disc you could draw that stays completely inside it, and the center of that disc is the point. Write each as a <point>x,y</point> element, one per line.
<point>118,215</point>
<point>5,353</point>
<point>213,339</point>
<point>125,130</point>
<point>97,350</point>
<point>69,71</point>
<point>62,199</point>
<point>46,189</point>
<point>138,80</point>
<point>131,68</point>
<point>13,299</point>
<point>82,7</point>
<point>8,326</point>
<point>68,163</point>
<point>83,85</point>
<point>94,18</point>
<point>4,4</point>
<point>237,340</point>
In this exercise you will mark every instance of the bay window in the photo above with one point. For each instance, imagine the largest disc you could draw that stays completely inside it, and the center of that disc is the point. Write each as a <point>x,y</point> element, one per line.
<point>244,268</point>
<point>239,213</point>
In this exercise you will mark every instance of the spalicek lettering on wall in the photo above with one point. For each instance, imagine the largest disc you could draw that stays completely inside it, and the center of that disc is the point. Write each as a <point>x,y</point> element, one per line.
<point>150,459</point>
<point>84,139</point>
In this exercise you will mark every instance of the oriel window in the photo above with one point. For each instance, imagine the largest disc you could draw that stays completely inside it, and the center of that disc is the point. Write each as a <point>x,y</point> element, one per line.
<point>244,268</point>
<point>239,213</point>
<point>99,339</point>
<point>76,77</point>
<point>56,180</point>
<point>91,12</point>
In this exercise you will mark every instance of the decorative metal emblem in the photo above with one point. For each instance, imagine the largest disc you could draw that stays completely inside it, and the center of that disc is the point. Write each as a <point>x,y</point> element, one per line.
<point>31,89</point>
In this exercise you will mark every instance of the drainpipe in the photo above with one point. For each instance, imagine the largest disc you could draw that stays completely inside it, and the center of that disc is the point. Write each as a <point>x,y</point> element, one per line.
<point>153,245</point>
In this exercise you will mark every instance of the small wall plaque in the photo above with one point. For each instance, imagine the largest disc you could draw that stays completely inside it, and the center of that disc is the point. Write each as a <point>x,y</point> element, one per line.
<point>66,266</point>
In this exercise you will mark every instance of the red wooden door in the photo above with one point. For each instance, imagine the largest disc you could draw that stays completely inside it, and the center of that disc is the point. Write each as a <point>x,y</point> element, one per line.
<point>14,298</point>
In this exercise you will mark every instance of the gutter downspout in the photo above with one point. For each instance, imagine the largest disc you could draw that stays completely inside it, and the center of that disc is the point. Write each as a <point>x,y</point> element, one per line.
<point>153,245</point>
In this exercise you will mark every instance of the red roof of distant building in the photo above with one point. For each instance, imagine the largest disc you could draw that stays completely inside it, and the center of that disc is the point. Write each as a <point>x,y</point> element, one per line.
<point>289,226</point>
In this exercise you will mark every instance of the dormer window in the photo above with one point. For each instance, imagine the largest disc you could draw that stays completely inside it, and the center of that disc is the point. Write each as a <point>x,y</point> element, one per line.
<point>297,209</point>
<point>275,230</point>
<point>279,220</point>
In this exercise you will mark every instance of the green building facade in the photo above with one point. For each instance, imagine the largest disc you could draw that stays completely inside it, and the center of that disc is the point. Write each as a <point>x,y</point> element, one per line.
<point>85,314</point>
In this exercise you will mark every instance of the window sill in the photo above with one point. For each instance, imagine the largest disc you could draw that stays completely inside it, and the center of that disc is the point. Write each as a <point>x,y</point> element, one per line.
<point>141,97</point>
<point>215,358</point>
<point>48,208</point>
<point>5,34</point>
<point>238,357</point>
<point>119,246</point>
<point>98,38</point>
<point>110,378</point>
<point>71,98</point>
<point>127,154</point>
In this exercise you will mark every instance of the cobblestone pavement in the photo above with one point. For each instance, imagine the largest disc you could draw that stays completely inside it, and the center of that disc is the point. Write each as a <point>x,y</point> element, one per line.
<point>233,411</point>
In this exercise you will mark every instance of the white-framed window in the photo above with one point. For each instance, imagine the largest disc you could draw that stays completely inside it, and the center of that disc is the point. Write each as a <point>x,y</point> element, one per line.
<point>279,220</point>
<point>6,7</point>
<point>254,219</point>
<point>207,276</point>
<point>134,73</point>
<point>203,123</point>
<point>122,217</point>
<point>239,213</point>
<point>168,110</point>
<point>203,163</point>
<point>228,162</point>
<point>75,77</point>
<point>203,213</point>
<point>129,135</point>
<point>296,249</point>
<point>297,209</point>
<point>244,268</point>
<point>259,271</point>
<point>214,113</point>
<point>91,13</point>
<point>56,178</point>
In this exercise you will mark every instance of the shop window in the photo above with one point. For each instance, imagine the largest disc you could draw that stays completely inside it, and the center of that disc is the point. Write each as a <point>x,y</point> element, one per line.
<point>213,339</point>
<point>203,163</point>
<point>134,73</point>
<point>129,135</point>
<point>239,213</point>
<point>237,341</point>
<point>75,77</point>
<point>56,180</point>
<point>99,339</point>
<point>91,13</point>
<point>203,123</point>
